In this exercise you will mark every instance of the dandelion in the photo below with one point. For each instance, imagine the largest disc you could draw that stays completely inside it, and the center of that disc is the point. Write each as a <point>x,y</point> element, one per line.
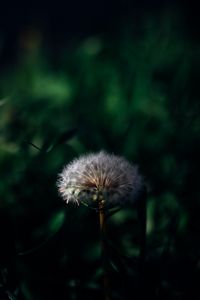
<point>98,177</point>
<point>105,180</point>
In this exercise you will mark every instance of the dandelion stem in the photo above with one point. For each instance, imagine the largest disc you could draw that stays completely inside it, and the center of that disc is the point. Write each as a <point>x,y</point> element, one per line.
<point>106,282</point>
<point>101,217</point>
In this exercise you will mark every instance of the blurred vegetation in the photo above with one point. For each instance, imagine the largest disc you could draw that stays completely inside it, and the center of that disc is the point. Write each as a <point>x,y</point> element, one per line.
<point>134,93</point>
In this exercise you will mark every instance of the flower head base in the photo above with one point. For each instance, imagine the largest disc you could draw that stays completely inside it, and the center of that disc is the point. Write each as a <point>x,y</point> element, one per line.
<point>100,177</point>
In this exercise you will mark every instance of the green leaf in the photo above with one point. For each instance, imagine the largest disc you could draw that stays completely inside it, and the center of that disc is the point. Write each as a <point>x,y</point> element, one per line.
<point>56,221</point>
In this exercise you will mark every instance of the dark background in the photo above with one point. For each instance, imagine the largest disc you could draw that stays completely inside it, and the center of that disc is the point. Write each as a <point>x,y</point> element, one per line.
<point>82,76</point>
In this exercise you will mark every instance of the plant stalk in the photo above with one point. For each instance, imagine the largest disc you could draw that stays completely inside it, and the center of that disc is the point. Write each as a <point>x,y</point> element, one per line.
<point>106,282</point>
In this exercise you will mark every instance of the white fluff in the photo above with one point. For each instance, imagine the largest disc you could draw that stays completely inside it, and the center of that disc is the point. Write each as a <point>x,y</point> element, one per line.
<point>100,176</point>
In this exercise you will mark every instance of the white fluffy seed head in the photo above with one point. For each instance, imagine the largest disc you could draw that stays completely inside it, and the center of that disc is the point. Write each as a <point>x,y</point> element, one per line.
<point>100,176</point>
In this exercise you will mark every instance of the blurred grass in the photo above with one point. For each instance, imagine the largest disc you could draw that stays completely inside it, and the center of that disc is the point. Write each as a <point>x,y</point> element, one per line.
<point>136,95</point>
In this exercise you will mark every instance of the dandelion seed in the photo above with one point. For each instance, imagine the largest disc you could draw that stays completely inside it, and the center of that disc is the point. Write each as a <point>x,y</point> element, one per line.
<point>100,177</point>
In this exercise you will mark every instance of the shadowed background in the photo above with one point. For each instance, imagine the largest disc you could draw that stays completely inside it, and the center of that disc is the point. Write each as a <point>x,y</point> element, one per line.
<point>86,76</point>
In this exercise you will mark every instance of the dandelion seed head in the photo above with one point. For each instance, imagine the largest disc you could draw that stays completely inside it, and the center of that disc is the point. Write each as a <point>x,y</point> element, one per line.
<point>100,177</point>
